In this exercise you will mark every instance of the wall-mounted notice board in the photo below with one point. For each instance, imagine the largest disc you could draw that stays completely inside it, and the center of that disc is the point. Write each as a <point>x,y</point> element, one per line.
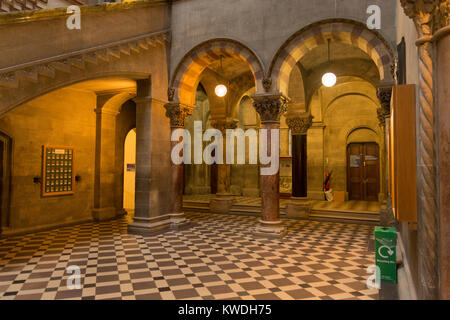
<point>58,174</point>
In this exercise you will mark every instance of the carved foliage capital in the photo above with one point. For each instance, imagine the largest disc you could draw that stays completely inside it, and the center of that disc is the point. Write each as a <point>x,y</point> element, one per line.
<point>428,15</point>
<point>384,95</point>
<point>177,114</point>
<point>299,124</point>
<point>224,124</point>
<point>270,107</point>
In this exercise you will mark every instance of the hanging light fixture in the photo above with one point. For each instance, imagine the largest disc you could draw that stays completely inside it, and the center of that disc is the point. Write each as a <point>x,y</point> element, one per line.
<point>329,79</point>
<point>221,89</point>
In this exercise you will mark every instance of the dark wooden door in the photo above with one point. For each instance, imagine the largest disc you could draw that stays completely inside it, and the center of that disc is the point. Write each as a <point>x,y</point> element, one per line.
<point>363,171</point>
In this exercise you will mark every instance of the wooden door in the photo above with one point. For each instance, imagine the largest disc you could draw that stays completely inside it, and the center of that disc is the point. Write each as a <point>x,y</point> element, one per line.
<point>363,171</point>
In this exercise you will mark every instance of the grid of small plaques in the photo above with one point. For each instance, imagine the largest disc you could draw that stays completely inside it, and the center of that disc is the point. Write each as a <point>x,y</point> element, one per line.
<point>58,170</point>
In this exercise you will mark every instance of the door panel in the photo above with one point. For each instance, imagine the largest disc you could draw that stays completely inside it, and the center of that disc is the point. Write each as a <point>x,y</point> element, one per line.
<point>363,178</point>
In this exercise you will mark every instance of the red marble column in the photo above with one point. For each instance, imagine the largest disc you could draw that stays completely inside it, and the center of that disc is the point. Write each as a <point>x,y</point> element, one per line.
<point>177,114</point>
<point>270,108</point>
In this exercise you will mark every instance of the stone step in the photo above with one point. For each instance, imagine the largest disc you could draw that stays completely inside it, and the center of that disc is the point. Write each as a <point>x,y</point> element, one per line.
<point>346,216</point>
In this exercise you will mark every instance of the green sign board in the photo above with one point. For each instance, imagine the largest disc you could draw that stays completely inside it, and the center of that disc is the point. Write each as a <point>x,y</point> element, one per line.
<point>386,253</point>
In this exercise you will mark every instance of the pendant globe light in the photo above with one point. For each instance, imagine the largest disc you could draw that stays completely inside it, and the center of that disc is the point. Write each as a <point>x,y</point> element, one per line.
<point>221,89</point>
<point>329,79</point>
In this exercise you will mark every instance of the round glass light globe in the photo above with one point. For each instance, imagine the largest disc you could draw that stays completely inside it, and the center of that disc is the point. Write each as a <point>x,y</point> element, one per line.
<point>329,79</point>
<point>221,90</point>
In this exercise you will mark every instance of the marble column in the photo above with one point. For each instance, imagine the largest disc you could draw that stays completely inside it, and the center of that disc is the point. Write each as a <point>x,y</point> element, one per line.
<point>104,183</point>
<point>270,108</point>
<point>384,93</point>
<point>300,205</point>
<point>177,113</point>
<point>223,200</point>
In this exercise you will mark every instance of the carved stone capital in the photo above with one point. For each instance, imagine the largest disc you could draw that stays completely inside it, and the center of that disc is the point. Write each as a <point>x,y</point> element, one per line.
<point>428,15</point>
<point>299,124</point>
<point>270,106</point>
<point>224,124</point>
<point>384,94</point>
<point>177,114</point>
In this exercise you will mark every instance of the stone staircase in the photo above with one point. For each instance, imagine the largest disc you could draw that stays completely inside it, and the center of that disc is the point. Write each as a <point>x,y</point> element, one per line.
<point>19,5</point>
<point>13,77</point>
<point>346,216</point>
<point>317,213</point>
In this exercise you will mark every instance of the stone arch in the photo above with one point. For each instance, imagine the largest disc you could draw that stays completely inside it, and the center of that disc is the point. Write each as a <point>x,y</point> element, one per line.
<point>338,30</point>
<point>186,75</point>
<point>356,125</point>
<point>36,91</point>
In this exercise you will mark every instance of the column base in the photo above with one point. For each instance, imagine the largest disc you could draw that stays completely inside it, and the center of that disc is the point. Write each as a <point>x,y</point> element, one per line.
<point>222,203</point>
<point>270,229</point>
<point>150,226</point>
<point>178,221</point>
<point>299,208</point>
<point>102,214</point>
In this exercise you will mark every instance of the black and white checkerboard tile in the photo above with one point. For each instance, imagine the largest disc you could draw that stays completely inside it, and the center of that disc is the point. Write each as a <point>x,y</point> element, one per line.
<point>217,258</point>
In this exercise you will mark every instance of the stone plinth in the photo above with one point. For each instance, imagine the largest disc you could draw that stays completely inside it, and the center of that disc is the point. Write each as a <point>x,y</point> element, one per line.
<point>270,229</point>
<point>221,203</point>
<point>299,208</point>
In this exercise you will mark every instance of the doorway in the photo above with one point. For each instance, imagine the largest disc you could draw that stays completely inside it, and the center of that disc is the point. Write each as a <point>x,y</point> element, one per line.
<point>363,171</point>
<point>5,180</point>
<point>129,174</point>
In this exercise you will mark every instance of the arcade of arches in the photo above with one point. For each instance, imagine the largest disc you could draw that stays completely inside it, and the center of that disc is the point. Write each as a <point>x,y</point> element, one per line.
<point>114,101</point>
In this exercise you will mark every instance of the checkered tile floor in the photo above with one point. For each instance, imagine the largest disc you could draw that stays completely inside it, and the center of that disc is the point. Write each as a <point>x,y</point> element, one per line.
<point>217,258</point>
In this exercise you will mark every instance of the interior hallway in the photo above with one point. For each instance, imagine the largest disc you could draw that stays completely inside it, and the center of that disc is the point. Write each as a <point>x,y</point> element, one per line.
<point>316,260</point>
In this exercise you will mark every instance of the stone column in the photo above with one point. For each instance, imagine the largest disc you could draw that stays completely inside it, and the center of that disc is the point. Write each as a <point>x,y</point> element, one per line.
<point>105,143</point>
<point>270,108</point>
<point>442,41</point>
<point>384,93</point>
<point>428,16</point>
<point>177,113</point>
<point>223,200</point>
<point>299,206</point>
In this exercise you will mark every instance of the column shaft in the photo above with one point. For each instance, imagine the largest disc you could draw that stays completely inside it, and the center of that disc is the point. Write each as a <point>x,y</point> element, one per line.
<point>299,166</point>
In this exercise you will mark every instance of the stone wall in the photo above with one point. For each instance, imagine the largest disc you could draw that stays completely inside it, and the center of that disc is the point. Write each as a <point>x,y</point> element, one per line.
<point>63,118</point>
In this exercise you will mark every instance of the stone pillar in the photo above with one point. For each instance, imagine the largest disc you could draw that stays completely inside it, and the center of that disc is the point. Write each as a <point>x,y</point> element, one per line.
<point>428,16</point>
<point>299,206</point>
<point>270,108</point>
<point>223,200</point>
<point>105,143</point>
<point>145,221</point>
<point>442,40</point>
<point>384,93</point>
<point>177,113</point>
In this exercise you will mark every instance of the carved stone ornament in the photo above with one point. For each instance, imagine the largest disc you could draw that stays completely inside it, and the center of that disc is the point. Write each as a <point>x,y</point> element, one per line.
<point>299,124</point>
<point>170,93</point>
<point>428,15</point>
<point>384,95</point>
<point>224,124</point>
<point>267,84</point>
<point>177,113</point>
<point>270,107</point>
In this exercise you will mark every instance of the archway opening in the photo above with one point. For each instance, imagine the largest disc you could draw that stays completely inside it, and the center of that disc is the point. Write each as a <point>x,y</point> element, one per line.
<point>129,172</point>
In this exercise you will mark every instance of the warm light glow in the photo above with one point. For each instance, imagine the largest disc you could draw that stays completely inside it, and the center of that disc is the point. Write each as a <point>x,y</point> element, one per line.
<point>329,79</point>
<point>221,90</point>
